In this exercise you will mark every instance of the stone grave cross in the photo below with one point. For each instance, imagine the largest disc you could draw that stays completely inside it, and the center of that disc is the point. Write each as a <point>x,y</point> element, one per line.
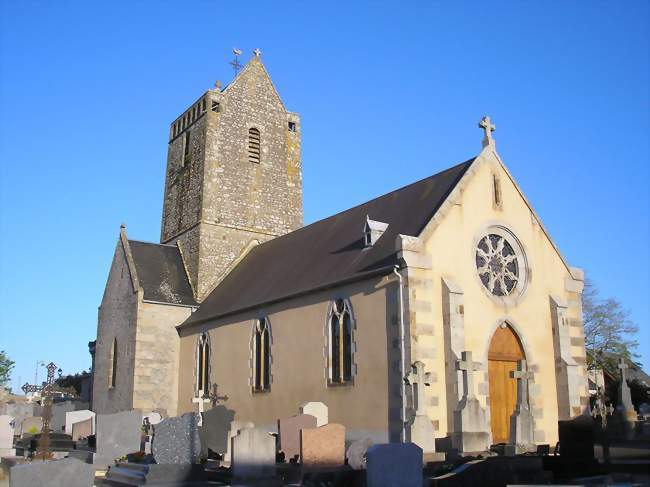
<point>47,390</point>
<point>488,127</point>
<point>468,367</point>
<point>418,378</point>
<point>624,398</point>
<point>523,376</point>
<point>200,400</point>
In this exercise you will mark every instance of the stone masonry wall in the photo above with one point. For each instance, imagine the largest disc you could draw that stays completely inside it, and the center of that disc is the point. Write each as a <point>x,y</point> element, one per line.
<point>216,188</point>
<point>117,319</point>
<point>156,357</point>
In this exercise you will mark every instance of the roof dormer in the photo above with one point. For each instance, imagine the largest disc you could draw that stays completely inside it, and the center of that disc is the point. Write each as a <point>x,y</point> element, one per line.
<point>372,230</point>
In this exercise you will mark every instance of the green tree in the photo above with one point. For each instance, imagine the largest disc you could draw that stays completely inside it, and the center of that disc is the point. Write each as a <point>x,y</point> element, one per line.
<point>609,331</point>
<point>6,364</point>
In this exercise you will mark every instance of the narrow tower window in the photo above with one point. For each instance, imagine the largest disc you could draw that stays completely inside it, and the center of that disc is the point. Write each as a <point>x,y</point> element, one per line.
<point>496,191</point>
<point>254,145</point>
<point>215,106</point>
<point>340,331</point>
<point>112,376</point>
<point>262,356</point>
<point>202,365</point>
<point>292,126</point>
<point>186,148</point>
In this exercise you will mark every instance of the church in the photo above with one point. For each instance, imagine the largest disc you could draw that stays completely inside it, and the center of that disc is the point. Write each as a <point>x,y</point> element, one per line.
<point>439,313</point>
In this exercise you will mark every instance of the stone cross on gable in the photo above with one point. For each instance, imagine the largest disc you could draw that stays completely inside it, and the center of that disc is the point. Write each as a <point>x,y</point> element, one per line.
<point>418,378</point>
<point>257,52</point>
<point>488,127</point>
<point>523,376</point>
<point>468,367</point>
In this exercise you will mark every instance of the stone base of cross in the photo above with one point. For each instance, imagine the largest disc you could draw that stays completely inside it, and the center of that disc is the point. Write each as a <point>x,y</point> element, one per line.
<point>200,400</point>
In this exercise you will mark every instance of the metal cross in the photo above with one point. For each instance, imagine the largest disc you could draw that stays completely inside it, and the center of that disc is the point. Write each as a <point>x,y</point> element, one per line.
<point>601,409</point>
<point>488,127</point>
<point>523,376</point>
<point>235,62</point>
<point>419,378</point>
<point>215,397</point>
<point>468,367</point>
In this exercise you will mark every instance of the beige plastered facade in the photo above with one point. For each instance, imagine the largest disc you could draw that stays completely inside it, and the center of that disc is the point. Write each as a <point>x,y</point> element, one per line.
<point>447,310</point>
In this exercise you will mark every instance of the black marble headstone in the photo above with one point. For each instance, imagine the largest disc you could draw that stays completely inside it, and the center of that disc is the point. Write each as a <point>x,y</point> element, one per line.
<point>577,438</point>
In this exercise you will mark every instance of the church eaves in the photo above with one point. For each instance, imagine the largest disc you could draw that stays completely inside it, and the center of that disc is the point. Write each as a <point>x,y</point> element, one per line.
<point>328,252</point>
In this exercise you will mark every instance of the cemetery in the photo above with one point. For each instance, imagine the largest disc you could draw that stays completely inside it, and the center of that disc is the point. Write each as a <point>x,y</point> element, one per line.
<point>212,448</point>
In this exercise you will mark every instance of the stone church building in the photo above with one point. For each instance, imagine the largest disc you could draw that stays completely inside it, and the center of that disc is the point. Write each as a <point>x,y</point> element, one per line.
<point>442,309</point>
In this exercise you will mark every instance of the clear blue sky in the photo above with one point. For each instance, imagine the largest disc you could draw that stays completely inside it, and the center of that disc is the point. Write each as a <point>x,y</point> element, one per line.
<point>388,93</point>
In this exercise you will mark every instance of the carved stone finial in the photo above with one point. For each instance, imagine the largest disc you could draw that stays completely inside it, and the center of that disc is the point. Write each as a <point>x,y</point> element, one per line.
<point>122,226</point>
<point>257,52</point>
<point>488,127</point>
<point>217,85</point>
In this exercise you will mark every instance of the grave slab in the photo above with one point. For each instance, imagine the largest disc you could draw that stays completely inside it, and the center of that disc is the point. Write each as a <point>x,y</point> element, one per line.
<point>117,434</point>
<point>253,454</point>
<point>215,431</point>
<point>68,472</point>
<point>323,447</point>
<point>317,409</point>
<point>176,440</point>
<point>72,417</point>
<point>356,453</point>
<point>289,429</point>
<point>394,464</point>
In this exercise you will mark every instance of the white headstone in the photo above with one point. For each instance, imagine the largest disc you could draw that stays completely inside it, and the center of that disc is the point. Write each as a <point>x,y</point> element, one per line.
<point>6,435</point>
<point>72,417</point>
<point>253,454</point>
<point>235,428</point>
<point>318,410</point>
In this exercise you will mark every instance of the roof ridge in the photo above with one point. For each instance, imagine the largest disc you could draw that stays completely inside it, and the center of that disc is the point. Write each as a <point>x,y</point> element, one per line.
<point>151,243</point>
<point>468,161</point>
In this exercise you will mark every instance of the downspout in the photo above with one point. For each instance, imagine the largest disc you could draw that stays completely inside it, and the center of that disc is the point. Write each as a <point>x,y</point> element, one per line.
<point>402,351</point>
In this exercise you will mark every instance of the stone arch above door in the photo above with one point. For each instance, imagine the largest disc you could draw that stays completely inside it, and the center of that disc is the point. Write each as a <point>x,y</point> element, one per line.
<point>503,354</point>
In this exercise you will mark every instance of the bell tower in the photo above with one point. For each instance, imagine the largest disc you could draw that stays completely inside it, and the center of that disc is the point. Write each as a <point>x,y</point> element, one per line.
<point>233,175</point>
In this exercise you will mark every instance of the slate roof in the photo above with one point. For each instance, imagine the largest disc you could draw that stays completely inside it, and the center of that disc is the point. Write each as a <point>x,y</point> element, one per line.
<point>161,273</point>
<point>329,251</point>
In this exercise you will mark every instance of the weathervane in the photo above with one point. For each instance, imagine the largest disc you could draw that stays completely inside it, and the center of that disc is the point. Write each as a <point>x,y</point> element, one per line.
<point>235,62</point>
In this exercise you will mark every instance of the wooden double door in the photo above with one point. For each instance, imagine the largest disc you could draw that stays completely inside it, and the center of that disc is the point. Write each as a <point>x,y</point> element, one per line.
<point>505,351</point>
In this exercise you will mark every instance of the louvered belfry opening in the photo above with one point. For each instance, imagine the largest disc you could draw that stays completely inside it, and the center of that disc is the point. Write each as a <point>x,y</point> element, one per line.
<point>254,145</point>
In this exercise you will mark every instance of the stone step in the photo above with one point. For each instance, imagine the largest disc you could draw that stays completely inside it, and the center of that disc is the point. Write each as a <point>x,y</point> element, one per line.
<point>141,467</point>
<point>125,476</point>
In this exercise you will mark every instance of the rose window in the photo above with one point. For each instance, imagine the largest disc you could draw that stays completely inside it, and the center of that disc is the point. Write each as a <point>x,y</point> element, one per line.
<point>497,265</point>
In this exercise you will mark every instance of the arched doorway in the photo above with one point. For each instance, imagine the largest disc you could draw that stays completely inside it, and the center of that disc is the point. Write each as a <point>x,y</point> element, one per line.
<point>505,351</point>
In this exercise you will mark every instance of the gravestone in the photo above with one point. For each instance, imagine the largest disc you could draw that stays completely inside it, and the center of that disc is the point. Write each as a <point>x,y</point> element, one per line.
<point>235,428</point>
<point>470,426</point>
<point>423,433</point>
<point>29,426</point>
<point>153,417</point>
<point>577,438</point>
<point>522,423</point>
<point>6,435</point>
<point>253,454</point>
<point>59,410</point>
<point>318,410</point>
<point>176,440</point>
<point>68,472</point>
<point>117,434</point>
<point>356,453</point>
<point>323,447</point>
<point>394,465</point>
<point>82,429</point>
<point>289,429</point>
<point>72,417</point>
<point>215,432</point>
